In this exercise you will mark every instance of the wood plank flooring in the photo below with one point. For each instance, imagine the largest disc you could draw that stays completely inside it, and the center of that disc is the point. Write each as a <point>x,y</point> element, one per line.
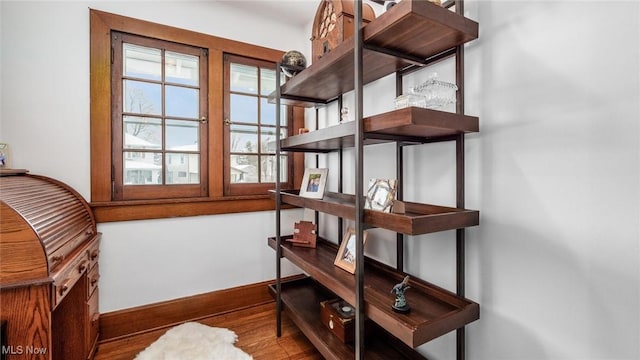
<point>256,330</point>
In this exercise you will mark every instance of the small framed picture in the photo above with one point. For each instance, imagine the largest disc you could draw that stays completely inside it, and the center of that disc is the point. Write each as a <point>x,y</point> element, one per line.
<point>380,194</point>
<point>5,159</point>
<point>313,183</point>
<point>346,257</point>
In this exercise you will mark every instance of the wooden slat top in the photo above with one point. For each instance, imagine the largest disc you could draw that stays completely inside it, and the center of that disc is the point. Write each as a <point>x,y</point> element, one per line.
<point>59,216</point>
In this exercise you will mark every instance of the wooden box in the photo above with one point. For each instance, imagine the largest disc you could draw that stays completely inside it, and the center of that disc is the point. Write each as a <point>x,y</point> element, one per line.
<point>339,318</point>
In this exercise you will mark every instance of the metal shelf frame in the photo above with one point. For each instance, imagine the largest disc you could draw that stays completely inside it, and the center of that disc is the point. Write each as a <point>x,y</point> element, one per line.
<point>359,48</point>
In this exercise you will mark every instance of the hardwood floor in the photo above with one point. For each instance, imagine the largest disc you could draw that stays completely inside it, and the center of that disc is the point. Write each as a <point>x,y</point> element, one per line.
<point>256,330</point>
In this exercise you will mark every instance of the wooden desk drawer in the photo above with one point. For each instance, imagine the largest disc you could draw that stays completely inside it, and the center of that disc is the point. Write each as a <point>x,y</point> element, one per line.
<point>68,275</point>
<point>92,280</point>
<point>93,252</point>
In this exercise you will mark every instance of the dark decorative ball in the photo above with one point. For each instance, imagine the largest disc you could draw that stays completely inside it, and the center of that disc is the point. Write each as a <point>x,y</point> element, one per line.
<point>293,62</point>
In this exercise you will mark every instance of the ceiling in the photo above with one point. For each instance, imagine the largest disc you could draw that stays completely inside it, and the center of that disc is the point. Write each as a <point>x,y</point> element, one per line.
<point>296,12</point>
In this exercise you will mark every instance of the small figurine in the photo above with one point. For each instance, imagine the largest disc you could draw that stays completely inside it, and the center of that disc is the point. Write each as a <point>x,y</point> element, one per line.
<point>344,115</point>
<point>401,305</point>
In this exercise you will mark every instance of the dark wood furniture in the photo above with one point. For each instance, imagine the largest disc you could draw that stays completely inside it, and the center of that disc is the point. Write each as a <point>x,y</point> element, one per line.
<point>409,35</point>
<point>333,24</point>
<point>49,250</point>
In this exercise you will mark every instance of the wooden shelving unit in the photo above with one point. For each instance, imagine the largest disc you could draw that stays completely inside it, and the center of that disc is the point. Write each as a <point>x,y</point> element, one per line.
<point>410,33</point>
<point>435,311</point>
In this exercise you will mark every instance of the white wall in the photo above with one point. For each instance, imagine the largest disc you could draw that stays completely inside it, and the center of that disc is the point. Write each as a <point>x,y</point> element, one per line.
<point>554,171</point>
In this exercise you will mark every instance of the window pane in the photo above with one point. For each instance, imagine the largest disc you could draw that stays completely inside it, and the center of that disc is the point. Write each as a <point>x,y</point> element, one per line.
<point>268,139</point>
<point>181,68</point>
<point>142,133</point>
<point>268,81</point>
<point>142,97</point>
<point>244,109</point>
<point>268,113</point>
<point>142,62</point>
<point>244,138</point>
<point>182,135</point>
<point>183,168</point>
<point>244,78</point>
<point>142,168</point>
<point>244,168</point>
<point>268,169</point>
<point>182,102</point>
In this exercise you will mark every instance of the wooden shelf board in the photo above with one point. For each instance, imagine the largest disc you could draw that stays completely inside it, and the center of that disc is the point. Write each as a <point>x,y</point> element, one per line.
<point>418,218</point>
<point>412,124</point>
<point>415,28</point>
<point>420,29</point>
<point>325,140</point>
<point>434,311</point>
<point>420,122</point>
<point>301,299</point>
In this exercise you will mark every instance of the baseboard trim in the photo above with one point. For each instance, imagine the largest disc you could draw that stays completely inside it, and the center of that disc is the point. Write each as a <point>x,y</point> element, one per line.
<point>122,323</point>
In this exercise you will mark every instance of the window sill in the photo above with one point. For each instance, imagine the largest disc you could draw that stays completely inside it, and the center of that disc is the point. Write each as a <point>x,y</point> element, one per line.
<point>170,208</point>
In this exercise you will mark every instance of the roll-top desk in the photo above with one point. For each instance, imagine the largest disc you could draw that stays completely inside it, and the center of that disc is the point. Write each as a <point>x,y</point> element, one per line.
<point>49,251</point>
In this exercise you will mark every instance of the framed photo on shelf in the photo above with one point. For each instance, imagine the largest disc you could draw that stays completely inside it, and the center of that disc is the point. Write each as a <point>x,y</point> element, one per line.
<point>5,158</point>
<point>313,183</point>
<point>380,194</point>
<point>346,257</point>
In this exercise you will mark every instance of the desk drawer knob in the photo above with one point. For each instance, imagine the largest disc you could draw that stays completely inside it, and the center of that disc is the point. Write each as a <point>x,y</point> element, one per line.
<point>63,289</point>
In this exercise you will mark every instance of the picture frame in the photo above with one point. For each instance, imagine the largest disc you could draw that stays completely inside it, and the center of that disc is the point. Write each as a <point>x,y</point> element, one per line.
<point>346,256</point>
<point>313,183</point>
<point>5,157</point>
<point>381,194</point>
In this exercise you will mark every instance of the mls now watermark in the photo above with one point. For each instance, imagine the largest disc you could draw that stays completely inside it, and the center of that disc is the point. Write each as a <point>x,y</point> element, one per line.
<point>23,350</point>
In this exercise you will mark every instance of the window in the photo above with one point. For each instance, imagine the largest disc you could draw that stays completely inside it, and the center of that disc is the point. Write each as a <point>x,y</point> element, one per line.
<point>159,97</point>
<point>159,144</point>
<point>250,131</point>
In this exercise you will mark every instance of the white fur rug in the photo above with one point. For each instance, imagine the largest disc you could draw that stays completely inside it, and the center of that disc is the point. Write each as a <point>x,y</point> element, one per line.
<point>194,341</point>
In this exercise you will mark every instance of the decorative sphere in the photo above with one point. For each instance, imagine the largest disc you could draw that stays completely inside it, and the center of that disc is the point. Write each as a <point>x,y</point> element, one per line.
<point>293,62</point>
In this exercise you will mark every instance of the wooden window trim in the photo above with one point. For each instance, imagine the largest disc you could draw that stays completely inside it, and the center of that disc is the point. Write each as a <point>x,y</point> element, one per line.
<point>105,209</point>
